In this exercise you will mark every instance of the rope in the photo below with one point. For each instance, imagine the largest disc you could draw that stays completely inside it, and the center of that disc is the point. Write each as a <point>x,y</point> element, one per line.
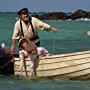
<point>6,64</point>
<point>54,42</point>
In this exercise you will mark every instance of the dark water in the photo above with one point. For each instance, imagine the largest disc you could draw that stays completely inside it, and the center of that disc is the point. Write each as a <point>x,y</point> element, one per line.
<point>70,38</point>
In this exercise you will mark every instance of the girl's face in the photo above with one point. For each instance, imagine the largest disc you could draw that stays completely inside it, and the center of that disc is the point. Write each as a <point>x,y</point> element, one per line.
<point>31,49</point>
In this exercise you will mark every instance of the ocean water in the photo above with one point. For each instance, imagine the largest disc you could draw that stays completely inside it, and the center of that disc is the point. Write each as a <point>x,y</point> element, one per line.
<point>13,83</point>
<point>71,37</point>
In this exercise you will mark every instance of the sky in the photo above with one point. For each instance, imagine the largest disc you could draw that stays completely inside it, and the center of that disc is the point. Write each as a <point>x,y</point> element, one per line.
<point>45,5</point>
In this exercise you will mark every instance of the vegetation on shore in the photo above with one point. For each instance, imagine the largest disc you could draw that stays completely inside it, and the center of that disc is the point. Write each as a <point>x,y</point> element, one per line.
<point>62,16</point>
<point>58,15</point>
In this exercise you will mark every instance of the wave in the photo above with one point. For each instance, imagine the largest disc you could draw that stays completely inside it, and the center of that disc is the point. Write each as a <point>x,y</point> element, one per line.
<point>83,19</point>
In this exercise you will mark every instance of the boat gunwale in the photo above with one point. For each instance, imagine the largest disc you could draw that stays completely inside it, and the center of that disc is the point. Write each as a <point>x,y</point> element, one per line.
<point>59,56</point>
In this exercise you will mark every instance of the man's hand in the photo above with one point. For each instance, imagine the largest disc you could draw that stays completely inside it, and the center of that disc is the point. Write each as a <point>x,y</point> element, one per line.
<point>12,47</point>
<point>54,29</point>
<point>12,51</point>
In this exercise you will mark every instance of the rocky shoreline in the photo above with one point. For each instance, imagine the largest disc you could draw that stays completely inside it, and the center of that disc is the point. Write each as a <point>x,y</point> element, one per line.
<point>62,16</point>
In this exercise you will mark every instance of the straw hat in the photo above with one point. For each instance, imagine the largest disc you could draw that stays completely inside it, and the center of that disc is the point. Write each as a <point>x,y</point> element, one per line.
<point>22,39</point>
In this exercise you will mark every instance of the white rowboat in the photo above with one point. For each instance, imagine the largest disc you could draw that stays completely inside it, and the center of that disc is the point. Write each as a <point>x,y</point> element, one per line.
<point>70,66</point>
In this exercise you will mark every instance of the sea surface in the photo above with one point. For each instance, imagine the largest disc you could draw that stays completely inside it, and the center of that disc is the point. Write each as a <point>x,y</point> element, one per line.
<point>71,37</point>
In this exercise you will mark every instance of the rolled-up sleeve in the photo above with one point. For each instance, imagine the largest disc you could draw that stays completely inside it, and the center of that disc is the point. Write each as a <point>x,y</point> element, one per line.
<point>16,31</point>
<point>41,25</point>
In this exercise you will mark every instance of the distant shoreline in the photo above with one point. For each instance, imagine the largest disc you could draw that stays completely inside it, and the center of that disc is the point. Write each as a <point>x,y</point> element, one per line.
<point>57,15</point>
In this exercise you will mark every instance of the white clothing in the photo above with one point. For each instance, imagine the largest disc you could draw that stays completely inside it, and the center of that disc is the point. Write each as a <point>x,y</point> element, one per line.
<point>22,55</point>
<point>41,49</point>
<point>27,30</point>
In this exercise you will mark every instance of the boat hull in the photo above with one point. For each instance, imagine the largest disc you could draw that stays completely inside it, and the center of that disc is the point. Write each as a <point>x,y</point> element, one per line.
<point>68,66</point>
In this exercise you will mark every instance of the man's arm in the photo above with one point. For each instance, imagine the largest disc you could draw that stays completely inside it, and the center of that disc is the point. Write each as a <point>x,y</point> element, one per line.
<point>54,29</point>
<point>12,47</point>
<point>43,26</point>
<point>15,36</point>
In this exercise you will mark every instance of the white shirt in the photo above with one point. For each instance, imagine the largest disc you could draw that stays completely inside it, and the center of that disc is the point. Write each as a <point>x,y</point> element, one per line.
<point>27,30</point>
<point>40,49</point>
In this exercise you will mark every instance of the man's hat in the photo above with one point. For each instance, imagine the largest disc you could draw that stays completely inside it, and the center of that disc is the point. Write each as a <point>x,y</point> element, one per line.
<point>25,10</point>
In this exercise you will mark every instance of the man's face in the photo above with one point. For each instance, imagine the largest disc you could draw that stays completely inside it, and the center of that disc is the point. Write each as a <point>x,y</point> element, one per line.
<point>24,16</point>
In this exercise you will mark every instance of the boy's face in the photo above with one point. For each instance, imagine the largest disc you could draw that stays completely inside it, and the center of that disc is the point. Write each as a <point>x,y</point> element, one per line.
<point>24,43</point>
